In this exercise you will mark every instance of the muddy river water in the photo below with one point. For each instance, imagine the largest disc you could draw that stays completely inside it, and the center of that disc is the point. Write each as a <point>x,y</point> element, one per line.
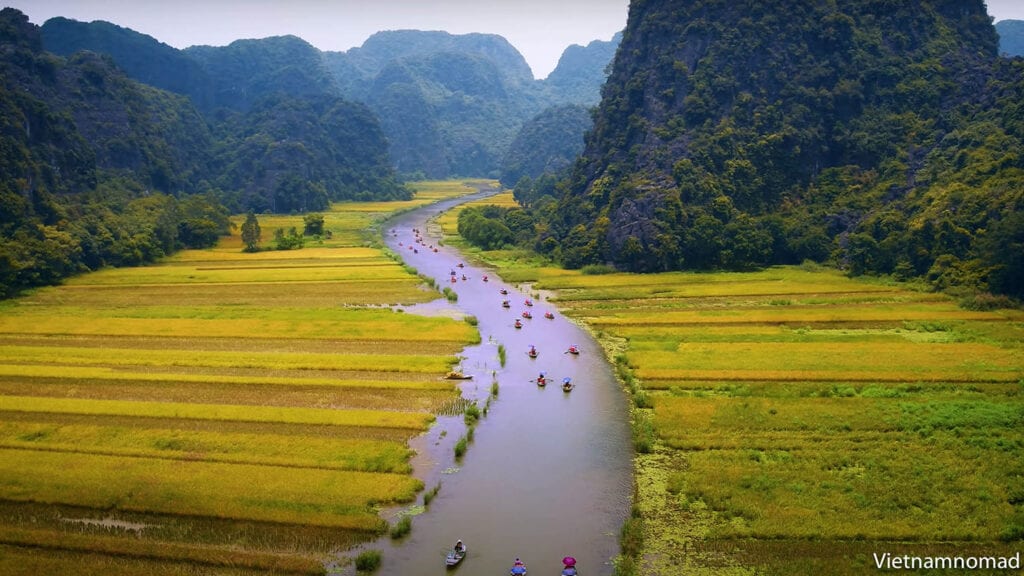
<point>548,474</point>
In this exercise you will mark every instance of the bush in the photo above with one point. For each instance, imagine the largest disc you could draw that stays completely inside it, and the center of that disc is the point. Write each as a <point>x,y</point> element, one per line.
<point>460,447</point>
<point>401,528</point>
<point>471,320</point>
<point>428,496</point>
<point>450,294</point>
<point>471,415</point>
<point>985,302</point>
<point>597,269</point>
<point>501,354</point>
<point>368,561</point>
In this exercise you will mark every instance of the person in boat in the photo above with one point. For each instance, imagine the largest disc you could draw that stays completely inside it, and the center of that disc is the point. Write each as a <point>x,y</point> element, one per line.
<point>566,381</point>
<point>533,350</point>
<point>460,548</point>
<point>519,562</point>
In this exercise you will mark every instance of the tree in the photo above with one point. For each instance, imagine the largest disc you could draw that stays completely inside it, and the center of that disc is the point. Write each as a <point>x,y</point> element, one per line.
<point>251,233</point>
<point>313,224</point>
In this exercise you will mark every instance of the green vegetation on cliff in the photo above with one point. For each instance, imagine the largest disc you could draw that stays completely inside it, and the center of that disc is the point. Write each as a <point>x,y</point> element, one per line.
<point>883,138</point>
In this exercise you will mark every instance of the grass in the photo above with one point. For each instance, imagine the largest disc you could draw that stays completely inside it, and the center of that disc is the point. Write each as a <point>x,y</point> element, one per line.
<point>402,528</point>
<point>250,410</point>
<point>368,561</point>
<point>794,420</point>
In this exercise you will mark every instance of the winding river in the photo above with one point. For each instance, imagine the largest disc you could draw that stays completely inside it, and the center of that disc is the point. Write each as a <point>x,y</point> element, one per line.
<point>548,473</point>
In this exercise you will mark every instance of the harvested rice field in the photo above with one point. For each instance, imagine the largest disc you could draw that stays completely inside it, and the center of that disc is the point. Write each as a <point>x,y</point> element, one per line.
<point>221,412</point>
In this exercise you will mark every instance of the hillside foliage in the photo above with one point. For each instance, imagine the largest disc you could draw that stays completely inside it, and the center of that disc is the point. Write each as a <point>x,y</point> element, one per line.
<point>884,138</point>
<point>98,169</point>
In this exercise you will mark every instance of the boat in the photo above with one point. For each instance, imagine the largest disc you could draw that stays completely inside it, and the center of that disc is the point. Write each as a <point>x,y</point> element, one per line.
<point>527,315</point>
<point>528,302</point>
<point>456,375</point>
<point>549,315</point>
<point>532,352</point>
<point>574,350</point>
<point>567,385</point>
<point>505,304</point>
<point>518,569</point>
<point>503,291</point>
<point>542,381</point>
<point>518,324</point>
<point>455,556</point>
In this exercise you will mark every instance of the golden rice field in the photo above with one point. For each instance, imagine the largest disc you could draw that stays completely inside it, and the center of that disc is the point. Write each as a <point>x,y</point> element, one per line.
<point>220,412</point>
<point>796,421</point>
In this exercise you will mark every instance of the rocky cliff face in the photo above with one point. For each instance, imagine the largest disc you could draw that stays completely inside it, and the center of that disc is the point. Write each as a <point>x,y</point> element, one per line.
<point>723,124</point>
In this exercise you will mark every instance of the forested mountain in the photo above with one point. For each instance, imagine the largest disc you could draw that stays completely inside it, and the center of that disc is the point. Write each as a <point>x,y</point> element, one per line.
<point>452,104</point>
<point>448,104</point>
<point>142,57</point>
<point>355,70</point>
<point>98,169</point>
<point>246,71</point>
<point>84,155</point>
<point>234,76</point>
<point>1011,37</point>
<point>285,140</point>
<point>884,136</point>
<point>581,71</point>
<point>290,154</point>
<point>547,143</point>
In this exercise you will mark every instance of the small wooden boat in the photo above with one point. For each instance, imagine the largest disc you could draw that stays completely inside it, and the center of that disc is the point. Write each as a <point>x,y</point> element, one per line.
<point>527,315</point>
<point>574,350</point>
<point>549,315</point>
<point>542,381</point>
<point>455,375</point>
<point>505,304</point>
<point>454,557</point>
<point>518,324</point>
<point>567,385</point>
<point>532,353</point>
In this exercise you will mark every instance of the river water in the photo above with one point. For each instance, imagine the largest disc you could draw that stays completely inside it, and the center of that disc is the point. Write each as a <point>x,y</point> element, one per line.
<point>548,473</point>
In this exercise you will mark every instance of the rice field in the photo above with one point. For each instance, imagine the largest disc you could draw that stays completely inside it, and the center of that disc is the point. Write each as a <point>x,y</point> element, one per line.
<point>220,412</point>
<point>798,409</point>
<point>796,421</point>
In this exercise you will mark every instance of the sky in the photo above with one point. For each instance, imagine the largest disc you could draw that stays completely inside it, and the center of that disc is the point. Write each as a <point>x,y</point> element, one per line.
<point>539,29</point>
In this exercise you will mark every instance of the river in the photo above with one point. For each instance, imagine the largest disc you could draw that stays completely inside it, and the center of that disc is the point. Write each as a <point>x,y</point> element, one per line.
<point>549,473</point>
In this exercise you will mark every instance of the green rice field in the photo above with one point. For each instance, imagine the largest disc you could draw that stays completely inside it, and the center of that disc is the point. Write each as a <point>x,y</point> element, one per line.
<point>795,421</point>
<point>221,412</point>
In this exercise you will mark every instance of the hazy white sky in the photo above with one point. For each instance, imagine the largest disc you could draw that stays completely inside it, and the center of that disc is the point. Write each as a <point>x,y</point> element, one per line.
<point>539,29</point>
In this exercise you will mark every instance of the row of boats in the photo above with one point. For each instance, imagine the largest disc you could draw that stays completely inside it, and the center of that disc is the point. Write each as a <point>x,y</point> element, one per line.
<point>458,554</point>
<point>459,551</point>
